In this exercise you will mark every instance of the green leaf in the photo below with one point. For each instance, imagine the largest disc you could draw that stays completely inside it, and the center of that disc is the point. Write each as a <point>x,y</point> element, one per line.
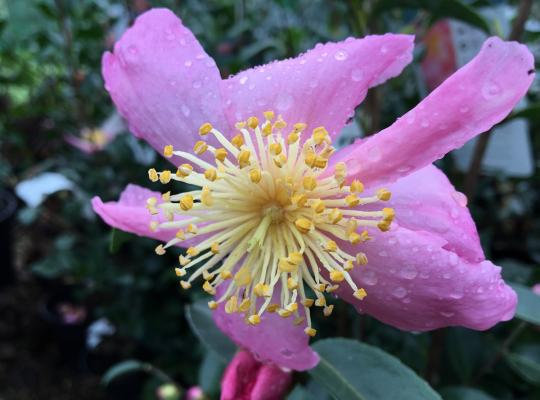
<point>351,370</point>
<point>200,319</point>
<point>210,373</point>
<point>531,113</point>
<point>528,308</point>
<point>525,361</point>
<point>463,393</point>
<point>118,238</point>
<point>439,9</point>
<point>125,367</point>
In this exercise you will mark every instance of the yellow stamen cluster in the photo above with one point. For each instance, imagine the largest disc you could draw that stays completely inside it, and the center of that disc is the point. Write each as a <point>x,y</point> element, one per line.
<point>274,219</point>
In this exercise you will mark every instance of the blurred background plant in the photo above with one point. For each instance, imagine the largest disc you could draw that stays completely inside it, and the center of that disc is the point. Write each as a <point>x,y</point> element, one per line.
<point>78,300</point>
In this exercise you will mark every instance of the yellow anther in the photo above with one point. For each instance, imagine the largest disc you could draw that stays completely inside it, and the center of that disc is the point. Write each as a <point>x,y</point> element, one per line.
<point>266,129</point>
<point>244,305</point>
<point>299,200</point>
<point>243,276</point>
<point>360,294</point>
<point>210,174</point>
<point>261,290</point>
<point>186,202</point>
<point>165,176</point>
<point>160,250</point>
<point>275,148</point>
<point>214,248</point>
<point>309,182</point>
<point>296,258</point>
<point>318,206</point>
<point>225,274</point>
<point>348,265</point>
<point>351,225</point>
<point>284,313</point>
<point>332,288</point>
<point>320,134</point>
<point>207,276</point>
<point>208,288</point>
<point>206,197</point>
<point>357,186</point>
<point>292,283</point>
<point>240,125</point>
<point>231,306</point>
<point>384,194</point>
<point>272,308</point>
<point>330,246</point>
<point>299,127</point>
<point>335,216</point>
<point>191,229</point>
<point>243,158</point>
<point>280,160</point>
<point>180,272</point>
<point>238,141</point>
<point>303,225</point>
<point>327,311</point>
<point>340,168</point>
<point>299,320</point>
<point>293,138</point>
<point>255,175</point>
<point>185,285</point>
<point>205,129</point>
<point>384,225</point>
<point>166,196</point>
<point>285,266</point>
<point>154,225</point>
<point>200,147</point>
<point>320,302</point>
<point>365,236</point>
<point>354,238</point>
<point>292,307</point>
<point>183,260</point>
<point>321,287</point>
<point>310,331</point>
<point>352,200</point>
<point>192,251</point>
<point>151,201</point>
<point>388,213</point>
<point>308,302</point>
<point>337,276</point>
<point>153,175</point>
<point>220,154</point>
<point>312,160</point>
<point>327,152</point>
<point>280,124</point>
<point>168,151</point>
<point>180,234</point>
<point>361,259</point>
<point>269,115</point>
<point>254,319</point>
<point>184,170</point>
<point>253,122</point>
<point>212,305</point>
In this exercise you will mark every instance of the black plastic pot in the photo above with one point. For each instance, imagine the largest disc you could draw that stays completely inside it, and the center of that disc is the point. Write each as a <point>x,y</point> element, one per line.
<point>8,208</point>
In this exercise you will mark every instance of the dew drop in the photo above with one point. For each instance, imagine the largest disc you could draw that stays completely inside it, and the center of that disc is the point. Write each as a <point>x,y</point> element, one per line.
<point>399,292</point>
<point>370,278</point>
<point>188,63</point>
<point>357,74</point>
<point>447,314</point>
<point>374,153</point>
<point>302,61</point>
<point>456,295</point>
<point>197,84</point>
<point>243,80</point>
<point>384,50</point>
<point>490,90</point>
<point>409,272</point>
<point>383,253</point>
<point>185,110</point>
<point>411,117</point>
<point>447,275</point>
<point>453,259</point>
<point>284,101</point>
<point>460,198</point>
<point>133,49</point>
<point>341,55</point>
<point>424,123</point>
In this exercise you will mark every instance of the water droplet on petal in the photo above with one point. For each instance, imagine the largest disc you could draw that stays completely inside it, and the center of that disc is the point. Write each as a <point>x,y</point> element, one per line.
<point>490,90</point>
<point>370,278</point>
<point>460,198</point>
<point>185,110</point>
<point>341,55</point>
<point>374,153</point>
<point>133,49</point>
<point>357,74</point>
<point>424,123</point>
<point>447,314</point>
<point>284,101</point>
<point>188,63</point>
<point>409,272</point>
<point>243,80</point>
<point>197,84</point>
<point>384,50</point>
<point>383,253</point>
<point>399,292</point>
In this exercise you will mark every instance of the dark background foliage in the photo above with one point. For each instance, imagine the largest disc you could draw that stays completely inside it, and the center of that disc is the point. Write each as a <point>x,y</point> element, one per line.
<point>51,86</point>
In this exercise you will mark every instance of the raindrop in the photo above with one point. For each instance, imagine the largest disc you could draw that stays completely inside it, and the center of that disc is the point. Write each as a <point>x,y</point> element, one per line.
<point>341,55</point>
<point>456,295</point>
<point>490,90</point>
<point>133,49</point>
<point>411,117</point>
<point>454,213</point>
<point>284,101</point>
<point>409,272</point>
<point>383,253</point>
<point>357,74</point>
<point>384,50</point>
<point>453,259</point>
<point>425,123</point>
<point>370,278</point>
<point>302,61</point>
<point>188,63</point>
<point>200,56</point>
<point>460,198</point>
<point>185,110</point>
<point>197,84</point>
<point>447,275</point>
<point>399,292</point>
<point>243,80</point>
<point>447,314</point>
<point>374,153</point>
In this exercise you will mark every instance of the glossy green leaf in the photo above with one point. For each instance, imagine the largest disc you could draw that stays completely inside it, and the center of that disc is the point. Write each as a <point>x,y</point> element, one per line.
<point>118,238</point>
<point>200,319</point>
<point>439,9</point>
<point>351,370</point>
<point>125,367</point>
<point>531,112</point>
<point>210,373</point>
<point>528,308</point>
<point>525,361</point>
<point>463,393</point>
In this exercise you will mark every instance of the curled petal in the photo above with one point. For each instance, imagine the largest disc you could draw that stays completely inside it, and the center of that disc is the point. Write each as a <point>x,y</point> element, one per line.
<point>321,87</point>
<point>414,283</point>
<point>163,82</point>
<point>471,101</point>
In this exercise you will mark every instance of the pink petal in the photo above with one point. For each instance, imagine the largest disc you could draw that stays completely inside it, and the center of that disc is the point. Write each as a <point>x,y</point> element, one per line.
<point>130,214</point>
<point>426,201</point>
<point>536,289</point>
<point>163,82</point>
<point>322,86</point>
<point>277,340</point>
<point>414,283</point>
<point>471,101</point>
<point>272,383</point>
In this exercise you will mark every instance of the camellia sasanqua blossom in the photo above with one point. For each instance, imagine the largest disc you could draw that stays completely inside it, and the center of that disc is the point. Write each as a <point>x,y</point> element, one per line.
<point>279,218</point>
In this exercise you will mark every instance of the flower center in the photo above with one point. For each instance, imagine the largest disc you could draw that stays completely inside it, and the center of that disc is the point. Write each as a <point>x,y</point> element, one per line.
<point>269,223</point>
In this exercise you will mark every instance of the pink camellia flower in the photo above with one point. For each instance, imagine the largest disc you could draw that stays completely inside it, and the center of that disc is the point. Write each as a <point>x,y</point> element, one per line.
<point>247,379</point>
<point>93,140</point>
<point>278,217</point>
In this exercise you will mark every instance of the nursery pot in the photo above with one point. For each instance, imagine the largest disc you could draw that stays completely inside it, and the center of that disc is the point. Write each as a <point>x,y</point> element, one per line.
<point>8,207</point>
